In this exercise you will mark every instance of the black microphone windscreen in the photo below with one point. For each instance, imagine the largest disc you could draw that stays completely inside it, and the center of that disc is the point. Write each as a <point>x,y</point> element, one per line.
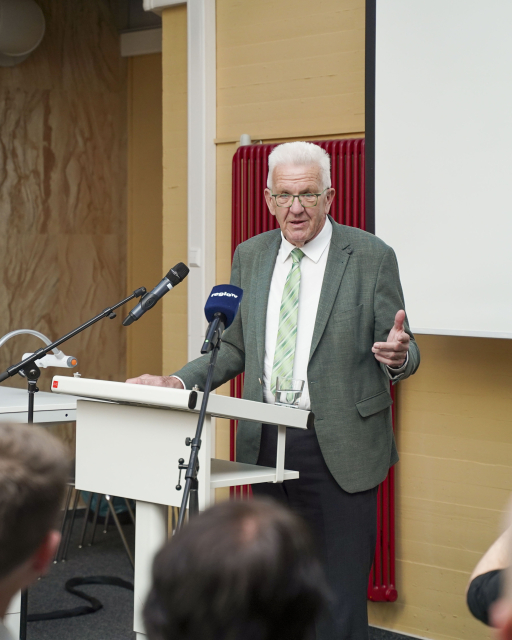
<point>224,298</point>
<point>177,273</point>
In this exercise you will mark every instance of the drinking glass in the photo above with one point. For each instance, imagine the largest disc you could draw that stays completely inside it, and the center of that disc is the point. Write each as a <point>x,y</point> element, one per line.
<point>288,392</point>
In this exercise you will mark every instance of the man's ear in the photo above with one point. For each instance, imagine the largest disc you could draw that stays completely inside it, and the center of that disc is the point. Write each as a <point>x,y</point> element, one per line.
<point>329,199</point>
<point>45,553</point>
<point>270,203</point>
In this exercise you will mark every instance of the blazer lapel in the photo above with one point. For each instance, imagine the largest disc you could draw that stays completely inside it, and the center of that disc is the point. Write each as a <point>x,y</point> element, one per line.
<point>339,255</point>
<point>267,261</point>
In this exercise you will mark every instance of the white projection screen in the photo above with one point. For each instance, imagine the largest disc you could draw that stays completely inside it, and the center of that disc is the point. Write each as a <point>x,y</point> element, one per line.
<point>443,160</point>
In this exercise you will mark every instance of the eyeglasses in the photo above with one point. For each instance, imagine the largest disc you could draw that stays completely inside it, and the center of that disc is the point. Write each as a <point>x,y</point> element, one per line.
<point>306,199</point>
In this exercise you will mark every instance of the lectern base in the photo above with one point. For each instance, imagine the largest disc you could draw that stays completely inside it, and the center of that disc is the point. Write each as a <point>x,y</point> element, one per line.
<point>150,535</point>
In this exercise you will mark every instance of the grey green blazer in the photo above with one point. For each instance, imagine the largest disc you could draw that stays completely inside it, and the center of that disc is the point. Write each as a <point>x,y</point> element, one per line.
<point>349,389</point>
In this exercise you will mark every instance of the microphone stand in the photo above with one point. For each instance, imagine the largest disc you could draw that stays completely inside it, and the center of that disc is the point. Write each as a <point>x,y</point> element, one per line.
<point>212,343</point>
<point>31,372</point>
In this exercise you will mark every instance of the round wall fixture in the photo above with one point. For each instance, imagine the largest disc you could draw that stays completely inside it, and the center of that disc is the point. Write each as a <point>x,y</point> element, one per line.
<point>22,28</point>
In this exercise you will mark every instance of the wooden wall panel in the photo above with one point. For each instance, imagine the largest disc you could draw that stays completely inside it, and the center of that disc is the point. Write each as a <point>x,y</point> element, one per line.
<point>454,480</point>
<point>145,247</point>
<point>63,189</point>
<point>291,68</point>
<point>174,78</point>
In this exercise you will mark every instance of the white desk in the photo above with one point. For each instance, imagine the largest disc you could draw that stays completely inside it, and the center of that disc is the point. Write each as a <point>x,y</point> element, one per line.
<point>48,407</point>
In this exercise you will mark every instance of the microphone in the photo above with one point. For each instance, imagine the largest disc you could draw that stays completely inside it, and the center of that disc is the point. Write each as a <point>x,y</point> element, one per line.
<point>54,360</point>
<point>174,277</point>
<point>220,311</point>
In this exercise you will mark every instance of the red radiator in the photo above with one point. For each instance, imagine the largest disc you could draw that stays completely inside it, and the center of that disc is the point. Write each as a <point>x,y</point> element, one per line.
<point>250,217</point>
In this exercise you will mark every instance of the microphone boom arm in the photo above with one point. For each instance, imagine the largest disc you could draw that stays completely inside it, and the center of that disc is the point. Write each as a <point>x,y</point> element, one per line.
<point>29,363</point>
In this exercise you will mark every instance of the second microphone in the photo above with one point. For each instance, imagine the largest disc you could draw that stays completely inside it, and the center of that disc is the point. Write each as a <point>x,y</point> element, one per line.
<point>171,279</point>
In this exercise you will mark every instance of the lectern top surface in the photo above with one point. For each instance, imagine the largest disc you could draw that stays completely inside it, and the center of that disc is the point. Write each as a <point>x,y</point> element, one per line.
<point>181,400</point>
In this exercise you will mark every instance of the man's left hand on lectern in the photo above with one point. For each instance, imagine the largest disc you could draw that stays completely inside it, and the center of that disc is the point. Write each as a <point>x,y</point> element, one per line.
<point>157,381</point>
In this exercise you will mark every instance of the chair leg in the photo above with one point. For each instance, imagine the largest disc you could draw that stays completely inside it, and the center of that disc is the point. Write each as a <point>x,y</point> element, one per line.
<point>86,519</point>
<point>70,529</point>
<point>95,521</point>
<point>120,529</point>
<point>64,518</point>
<point>130,510</point>
<point>107,518</point>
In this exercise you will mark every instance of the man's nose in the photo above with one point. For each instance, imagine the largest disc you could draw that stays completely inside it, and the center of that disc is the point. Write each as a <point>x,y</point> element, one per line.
<point>296,206</point>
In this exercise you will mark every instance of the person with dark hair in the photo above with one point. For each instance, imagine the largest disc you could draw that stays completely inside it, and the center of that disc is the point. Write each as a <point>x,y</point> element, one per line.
<point>239,571</point>
<point>34,469</point>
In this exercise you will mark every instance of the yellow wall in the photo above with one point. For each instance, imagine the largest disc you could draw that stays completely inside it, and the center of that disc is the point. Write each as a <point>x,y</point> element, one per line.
<point>144,259</point>
<point>289,68</point>
<point>174,75</point>
<point>454,479</point>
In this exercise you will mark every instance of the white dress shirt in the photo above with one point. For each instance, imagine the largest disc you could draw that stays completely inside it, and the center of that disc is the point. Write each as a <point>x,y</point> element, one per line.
<point>312,269</point>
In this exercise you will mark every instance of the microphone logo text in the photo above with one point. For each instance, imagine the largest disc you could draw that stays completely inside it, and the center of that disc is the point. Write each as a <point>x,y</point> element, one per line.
<point>224,293</point>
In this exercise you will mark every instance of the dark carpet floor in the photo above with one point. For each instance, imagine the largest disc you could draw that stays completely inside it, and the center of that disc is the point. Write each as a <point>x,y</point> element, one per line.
<point>105,557</point>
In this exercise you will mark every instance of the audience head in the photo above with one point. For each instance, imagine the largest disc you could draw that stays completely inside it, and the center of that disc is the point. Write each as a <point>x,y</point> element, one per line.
<point>34,468</point>
<point>242,570</point>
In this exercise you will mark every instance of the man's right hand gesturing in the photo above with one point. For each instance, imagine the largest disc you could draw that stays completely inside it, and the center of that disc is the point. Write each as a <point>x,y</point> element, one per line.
<point>157,381</point>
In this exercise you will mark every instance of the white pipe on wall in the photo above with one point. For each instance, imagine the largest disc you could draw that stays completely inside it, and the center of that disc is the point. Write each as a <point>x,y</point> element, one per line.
<point>22,28</point>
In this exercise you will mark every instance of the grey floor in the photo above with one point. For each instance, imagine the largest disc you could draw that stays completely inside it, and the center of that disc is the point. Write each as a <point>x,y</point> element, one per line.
<point>105,557</point>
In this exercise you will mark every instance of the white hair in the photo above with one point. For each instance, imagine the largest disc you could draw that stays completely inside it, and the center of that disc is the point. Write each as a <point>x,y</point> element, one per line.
<point>300,154</point>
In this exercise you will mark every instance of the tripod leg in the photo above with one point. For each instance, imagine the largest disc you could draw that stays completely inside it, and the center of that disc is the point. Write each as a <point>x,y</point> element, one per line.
<point>193,503</point>
<point>23,614</point>
<point>86,518</point>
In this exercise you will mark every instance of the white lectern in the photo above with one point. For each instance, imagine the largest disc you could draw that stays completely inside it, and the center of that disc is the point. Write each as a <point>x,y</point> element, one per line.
<point>129,446</point>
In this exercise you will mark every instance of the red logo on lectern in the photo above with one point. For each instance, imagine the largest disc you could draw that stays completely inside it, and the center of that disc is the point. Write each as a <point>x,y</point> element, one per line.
<point>55,384</point>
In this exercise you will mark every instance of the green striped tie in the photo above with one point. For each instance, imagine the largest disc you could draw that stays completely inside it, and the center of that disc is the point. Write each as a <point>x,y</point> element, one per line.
<point>287,331</point>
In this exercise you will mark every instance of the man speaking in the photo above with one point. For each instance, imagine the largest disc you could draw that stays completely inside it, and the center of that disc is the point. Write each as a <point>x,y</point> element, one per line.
<point>322,303</point>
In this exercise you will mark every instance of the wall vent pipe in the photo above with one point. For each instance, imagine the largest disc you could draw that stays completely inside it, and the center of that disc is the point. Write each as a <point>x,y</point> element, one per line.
<point>22,28</point>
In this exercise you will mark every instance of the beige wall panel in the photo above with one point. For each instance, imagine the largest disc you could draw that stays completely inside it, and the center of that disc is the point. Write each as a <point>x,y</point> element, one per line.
<point>291,68</point>
<point>144,260</point>
<point>454,480</point>
<point>63,196</point>
<point>174,76</point>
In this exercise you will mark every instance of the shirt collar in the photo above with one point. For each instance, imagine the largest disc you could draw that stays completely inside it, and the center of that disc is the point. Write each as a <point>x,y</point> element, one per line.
<point>314,249</point>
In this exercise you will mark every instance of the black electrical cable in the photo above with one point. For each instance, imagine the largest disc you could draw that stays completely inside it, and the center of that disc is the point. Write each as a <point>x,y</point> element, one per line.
<point>95,604</point>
